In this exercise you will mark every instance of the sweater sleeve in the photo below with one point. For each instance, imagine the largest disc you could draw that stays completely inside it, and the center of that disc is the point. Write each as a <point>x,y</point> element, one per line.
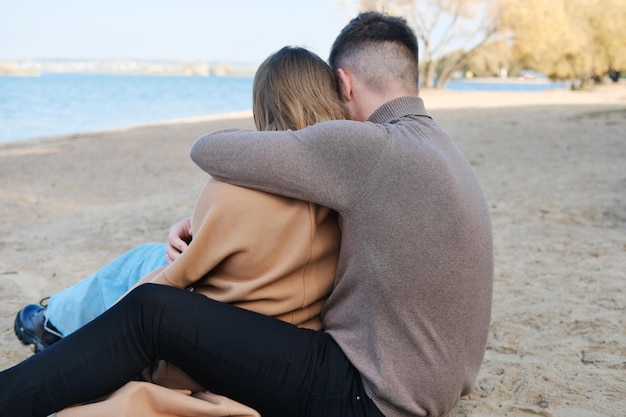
<point>217,234</point>
<point>327,164</point>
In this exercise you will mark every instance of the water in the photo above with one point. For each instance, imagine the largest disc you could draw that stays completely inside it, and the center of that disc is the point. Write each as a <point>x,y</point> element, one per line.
<point>58,104</point>
<point>504,85</point>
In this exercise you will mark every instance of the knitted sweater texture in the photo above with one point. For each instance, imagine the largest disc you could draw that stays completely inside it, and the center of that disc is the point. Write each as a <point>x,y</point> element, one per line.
<point>273,255</point>
<point>411,303</point>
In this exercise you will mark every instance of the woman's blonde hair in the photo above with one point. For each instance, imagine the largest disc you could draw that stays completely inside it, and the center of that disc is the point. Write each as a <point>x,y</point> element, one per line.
<point>294,88</point>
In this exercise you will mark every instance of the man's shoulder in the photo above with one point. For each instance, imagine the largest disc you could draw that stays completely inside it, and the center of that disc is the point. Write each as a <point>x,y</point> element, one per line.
<point>348,127</point>
<point>344,135</point>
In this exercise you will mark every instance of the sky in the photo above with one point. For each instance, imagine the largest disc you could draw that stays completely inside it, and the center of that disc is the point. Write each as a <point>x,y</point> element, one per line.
<point>211,30</point>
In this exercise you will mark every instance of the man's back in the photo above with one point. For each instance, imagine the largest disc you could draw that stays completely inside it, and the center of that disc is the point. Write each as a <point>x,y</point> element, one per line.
<point>412,300</point>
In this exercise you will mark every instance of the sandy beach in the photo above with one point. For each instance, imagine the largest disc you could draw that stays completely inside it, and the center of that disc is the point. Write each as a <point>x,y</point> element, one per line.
<point>553,167</point>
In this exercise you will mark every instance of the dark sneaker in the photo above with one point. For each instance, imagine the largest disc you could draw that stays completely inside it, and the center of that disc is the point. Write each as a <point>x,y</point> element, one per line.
<point>30,327</point>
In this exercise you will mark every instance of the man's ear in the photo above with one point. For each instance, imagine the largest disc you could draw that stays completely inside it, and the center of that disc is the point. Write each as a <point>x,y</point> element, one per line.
<point>345,85</point>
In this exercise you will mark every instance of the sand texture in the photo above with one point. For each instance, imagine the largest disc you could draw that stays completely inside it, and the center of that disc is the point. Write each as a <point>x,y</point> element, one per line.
<point>553,167</point>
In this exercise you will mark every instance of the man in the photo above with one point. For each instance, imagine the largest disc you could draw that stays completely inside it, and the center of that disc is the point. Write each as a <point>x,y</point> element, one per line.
<point>406,324</point>
<point>412,298</point>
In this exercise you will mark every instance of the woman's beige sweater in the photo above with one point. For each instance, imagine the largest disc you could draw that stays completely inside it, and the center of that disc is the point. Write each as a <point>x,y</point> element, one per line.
<point>273,255</point>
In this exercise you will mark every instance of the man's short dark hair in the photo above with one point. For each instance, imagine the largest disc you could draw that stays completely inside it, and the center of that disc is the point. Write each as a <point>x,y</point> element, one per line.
<point>372,27</point>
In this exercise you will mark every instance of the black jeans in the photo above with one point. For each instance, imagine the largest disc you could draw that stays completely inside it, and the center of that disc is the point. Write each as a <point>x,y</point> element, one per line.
<point>274,367</point>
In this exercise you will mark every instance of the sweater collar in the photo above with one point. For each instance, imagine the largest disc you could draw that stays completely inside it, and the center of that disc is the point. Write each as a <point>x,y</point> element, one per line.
<point>393,110</point>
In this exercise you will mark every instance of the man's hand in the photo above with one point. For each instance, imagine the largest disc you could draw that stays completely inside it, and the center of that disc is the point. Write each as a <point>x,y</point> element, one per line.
<point>178,240</point>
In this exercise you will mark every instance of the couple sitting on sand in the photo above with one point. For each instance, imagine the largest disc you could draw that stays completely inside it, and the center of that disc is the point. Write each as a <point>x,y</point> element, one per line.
<point>365,290</point>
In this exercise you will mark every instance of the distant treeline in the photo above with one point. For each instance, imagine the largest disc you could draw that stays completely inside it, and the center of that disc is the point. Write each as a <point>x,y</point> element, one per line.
<point>581,41</point>
<point>126,67</point>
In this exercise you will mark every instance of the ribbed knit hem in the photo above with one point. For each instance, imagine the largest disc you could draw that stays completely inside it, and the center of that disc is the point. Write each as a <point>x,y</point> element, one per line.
<point>388,409</point>
<point>398,107</point>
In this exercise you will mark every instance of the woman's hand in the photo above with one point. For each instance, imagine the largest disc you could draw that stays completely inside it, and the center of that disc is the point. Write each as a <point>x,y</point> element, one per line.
<point>178,239</point>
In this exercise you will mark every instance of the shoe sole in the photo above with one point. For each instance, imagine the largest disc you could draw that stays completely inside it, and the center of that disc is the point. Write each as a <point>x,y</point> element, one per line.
<point>28,339</point>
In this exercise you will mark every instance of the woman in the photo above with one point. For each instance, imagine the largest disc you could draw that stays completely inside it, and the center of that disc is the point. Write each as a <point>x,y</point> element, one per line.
<point>273,255</point>
<point>268,254</point>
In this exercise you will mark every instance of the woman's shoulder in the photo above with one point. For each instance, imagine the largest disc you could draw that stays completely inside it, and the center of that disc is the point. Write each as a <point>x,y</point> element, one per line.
<point>226,194</point>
